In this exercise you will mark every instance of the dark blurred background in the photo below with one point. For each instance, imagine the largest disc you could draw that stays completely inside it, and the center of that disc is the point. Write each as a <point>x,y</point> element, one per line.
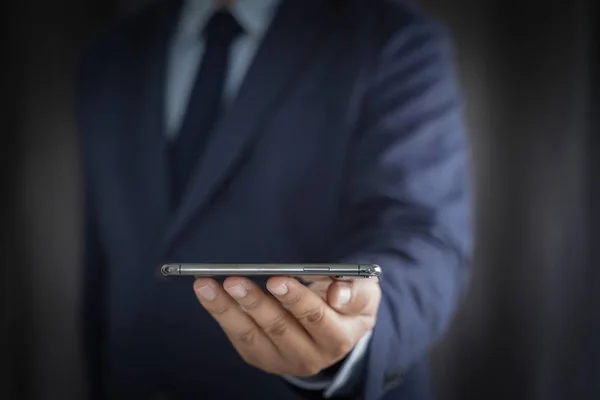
<point>530,325</point>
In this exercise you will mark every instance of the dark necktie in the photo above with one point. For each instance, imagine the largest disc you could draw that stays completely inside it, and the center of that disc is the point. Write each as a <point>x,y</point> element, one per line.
<point>205,102</point>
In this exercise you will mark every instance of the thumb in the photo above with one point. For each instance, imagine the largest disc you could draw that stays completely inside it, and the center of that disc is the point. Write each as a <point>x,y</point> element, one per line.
<point>355,297</point>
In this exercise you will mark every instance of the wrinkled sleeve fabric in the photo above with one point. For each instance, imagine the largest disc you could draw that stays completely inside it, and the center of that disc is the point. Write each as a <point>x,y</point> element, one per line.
<point>407,198</point>
<point>407,207</point>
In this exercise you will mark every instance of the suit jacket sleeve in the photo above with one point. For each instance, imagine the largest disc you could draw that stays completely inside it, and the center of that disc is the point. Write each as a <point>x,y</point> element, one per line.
<point>407,205</point>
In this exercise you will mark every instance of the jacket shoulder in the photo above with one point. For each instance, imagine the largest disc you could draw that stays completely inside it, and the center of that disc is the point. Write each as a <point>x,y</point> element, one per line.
<point>388,21</point>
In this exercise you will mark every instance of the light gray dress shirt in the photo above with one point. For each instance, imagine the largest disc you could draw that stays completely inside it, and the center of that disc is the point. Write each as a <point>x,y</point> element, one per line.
<point>185,55</point>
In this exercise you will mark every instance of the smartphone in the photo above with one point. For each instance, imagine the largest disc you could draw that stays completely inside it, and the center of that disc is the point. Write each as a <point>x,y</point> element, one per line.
<point>338,271</point>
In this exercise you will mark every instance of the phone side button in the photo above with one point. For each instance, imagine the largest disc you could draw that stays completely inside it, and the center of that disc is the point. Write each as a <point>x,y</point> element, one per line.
<point>315,269</point>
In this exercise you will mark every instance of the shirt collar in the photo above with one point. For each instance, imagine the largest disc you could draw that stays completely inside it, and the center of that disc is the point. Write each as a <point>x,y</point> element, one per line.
<point>253,15</point>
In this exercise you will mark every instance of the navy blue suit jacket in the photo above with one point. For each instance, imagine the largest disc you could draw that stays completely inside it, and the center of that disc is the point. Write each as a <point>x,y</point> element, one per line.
<point>345,143</point>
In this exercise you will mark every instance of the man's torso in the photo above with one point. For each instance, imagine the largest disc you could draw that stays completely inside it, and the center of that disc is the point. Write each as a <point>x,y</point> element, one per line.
<point>269,189</point>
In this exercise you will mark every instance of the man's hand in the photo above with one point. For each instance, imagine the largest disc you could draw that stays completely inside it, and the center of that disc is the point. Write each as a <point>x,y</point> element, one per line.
<point>299,330</point>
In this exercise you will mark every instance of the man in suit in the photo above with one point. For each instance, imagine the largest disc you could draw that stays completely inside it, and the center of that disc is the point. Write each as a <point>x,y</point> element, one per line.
<point>271,131</point>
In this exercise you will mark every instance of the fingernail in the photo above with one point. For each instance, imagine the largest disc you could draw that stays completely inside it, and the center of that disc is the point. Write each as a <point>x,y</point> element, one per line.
<point>207,292</point>
<point>238,291</point>
<point>344,294</point>
<point>280,290</point>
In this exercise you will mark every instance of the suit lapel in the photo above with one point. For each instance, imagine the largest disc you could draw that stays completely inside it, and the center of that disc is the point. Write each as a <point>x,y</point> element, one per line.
<point>286,51</point>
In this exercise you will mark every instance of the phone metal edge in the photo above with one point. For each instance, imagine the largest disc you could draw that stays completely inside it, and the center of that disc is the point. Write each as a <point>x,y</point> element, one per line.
<point>340,271</point>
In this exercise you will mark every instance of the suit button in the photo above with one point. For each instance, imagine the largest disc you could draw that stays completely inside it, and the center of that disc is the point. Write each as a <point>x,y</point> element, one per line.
<point>393,377</point>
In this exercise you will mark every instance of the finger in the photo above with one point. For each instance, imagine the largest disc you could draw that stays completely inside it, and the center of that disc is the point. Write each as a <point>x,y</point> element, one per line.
<point>278,324</point>
<point>355,297</point>
<point>322,323</point>
<point>312,278</point>
<point>248,339</point>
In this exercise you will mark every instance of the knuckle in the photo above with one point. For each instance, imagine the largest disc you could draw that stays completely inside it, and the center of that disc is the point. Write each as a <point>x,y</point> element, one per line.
<point>307,369</point>
<point>251,359</point>
<point>277,327</point>
<point>254,360</point>
<point>312,316</point>
<point>341,348</point>
<point>220,309</point>
<point>253,303</point>
<point>293,299</point>
<point>277,368</point>
<point>248,337</point>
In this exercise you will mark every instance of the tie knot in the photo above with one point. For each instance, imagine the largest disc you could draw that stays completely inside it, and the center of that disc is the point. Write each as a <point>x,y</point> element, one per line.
<point>222,27</point>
